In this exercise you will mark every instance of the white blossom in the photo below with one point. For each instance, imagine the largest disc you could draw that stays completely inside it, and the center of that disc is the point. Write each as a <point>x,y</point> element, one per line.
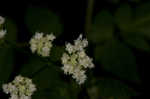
<point>69,48</point>
<point>13,96</point>
<point>68,69</point>
<point>50,37</point>
<point>2,32</point>
<point>65,58</point>
<point>41,44</point>
<point>20,88</point>
<point>5,88</point>
<point>79,75</point>
<point>80,43</point>
<point>75,61</point>
<point>25,97</point>
<point>2,20</point>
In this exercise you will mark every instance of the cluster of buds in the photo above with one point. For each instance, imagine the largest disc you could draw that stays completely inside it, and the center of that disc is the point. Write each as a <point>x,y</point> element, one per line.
<point>75,61</point>
<point>41,44</point>
<point>20,88</point>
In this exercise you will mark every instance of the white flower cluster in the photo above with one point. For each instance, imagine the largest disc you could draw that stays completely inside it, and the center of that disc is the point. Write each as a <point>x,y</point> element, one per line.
<point>2,32</point>
<point>20,88</point>
<point>41,44</point>
<point>76,61</point>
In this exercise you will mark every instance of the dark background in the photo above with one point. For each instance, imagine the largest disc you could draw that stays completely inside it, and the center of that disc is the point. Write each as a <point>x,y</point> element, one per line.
<point>72,13</point>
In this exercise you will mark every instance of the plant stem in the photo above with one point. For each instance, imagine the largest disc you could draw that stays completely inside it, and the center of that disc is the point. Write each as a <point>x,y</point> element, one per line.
<point>88,17</point>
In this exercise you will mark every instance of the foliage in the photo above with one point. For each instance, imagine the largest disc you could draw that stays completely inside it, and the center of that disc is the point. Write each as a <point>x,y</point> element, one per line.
<point>114,37</point>
<point>7,54</point>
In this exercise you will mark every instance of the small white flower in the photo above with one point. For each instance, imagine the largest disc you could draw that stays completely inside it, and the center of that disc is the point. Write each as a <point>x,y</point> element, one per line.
<point>76,61</point>
<point>84,43</point>
<point>5,88</point>
<point>13,96</point>
<point>18,79</point>
<point>69,48</point>
<point>50,37</point>
<point>86,62</point>
<point>12,88</point>
<point>65,58</point>
<point>33,48</point>
<point>41,44</point>
<point>80,43</point>
<point>68,69</point>
<point>25,97</point>
<point>19,88</point>
<point>2,20</point>
<point>32,87</point>
<point>82,54</point>
<point>38,36</point>
<point>79,75</point>
<point>45,51</point>
<point>2,33</point>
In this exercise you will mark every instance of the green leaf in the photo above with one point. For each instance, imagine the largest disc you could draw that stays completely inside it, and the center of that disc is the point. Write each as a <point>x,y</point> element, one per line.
<point>48,81</point>
<point>46,77</point>
<point>54,94</point>
<point>129,30</point>
<point>102,29</point>
<point>134,22</point>
<point>6,64</point>
<point>7,53</point>
<point>117,59</point>
<point>49,78</point>
<point>142,20</point>
<point>58,92</point>
<point>33,64</point>
<point>107,88</point>
<point>123,17</point>
<point>43,20</point>
<point>136,41</point>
